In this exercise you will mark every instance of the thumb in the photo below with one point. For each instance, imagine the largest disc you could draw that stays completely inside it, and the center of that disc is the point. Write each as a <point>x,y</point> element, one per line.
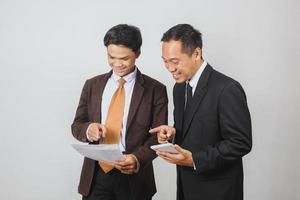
<point>179,149</point>
<point>169,132</point>
<point>103,129</point>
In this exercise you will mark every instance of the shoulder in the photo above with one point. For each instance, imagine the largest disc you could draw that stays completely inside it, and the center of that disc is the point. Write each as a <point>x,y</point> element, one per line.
<point>96,80</point>
<point>220,80</point>
<point>225,85</point>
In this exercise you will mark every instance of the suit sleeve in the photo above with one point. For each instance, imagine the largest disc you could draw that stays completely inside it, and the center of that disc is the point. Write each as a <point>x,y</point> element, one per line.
<point>235,130</point>
<point>159,117</point>
<point>81,120</point>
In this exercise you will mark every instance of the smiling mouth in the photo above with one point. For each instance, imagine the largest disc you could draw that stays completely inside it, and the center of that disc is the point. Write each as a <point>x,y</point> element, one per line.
<point>175,75</point>
<point>121,69</point>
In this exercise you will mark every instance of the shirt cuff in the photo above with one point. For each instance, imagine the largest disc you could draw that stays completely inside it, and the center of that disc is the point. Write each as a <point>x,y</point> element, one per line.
<point>194,166</point>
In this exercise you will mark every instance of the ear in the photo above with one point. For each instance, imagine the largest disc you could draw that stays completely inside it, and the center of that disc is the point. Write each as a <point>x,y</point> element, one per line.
<point>198,54</point>
<point>138,53</point>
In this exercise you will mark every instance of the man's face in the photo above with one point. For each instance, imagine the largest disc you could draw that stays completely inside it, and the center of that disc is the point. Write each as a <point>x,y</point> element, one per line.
<point>181,65</point>
<point>121,59</point>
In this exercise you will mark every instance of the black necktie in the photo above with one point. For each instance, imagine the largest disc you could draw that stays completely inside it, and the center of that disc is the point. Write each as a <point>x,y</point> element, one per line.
<point>188,95</point>
<point>187,101</point>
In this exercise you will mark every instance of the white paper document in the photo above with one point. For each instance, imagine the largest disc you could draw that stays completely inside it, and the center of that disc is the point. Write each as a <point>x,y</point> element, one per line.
<point>103,152</point>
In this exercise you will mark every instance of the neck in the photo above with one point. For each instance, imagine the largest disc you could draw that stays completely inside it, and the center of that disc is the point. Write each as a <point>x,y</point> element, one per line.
<point>197,66</point>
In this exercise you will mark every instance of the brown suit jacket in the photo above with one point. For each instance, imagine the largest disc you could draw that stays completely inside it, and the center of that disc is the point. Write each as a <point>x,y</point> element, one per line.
<point>148,108</point>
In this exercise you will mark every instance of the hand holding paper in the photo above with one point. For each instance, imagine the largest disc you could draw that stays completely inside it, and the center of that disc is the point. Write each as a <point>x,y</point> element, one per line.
<point>128,165</point>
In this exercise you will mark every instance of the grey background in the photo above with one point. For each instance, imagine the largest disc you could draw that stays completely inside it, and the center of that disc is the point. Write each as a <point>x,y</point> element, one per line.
<point>49,48</point>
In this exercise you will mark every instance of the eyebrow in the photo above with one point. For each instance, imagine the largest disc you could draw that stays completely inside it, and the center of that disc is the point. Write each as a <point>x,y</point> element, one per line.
<point>171,59</point>
<point>118,58</point>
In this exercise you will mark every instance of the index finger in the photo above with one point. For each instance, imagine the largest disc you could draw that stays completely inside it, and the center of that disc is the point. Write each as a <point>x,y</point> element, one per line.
<point>120,164</point>
<point>155,130</point>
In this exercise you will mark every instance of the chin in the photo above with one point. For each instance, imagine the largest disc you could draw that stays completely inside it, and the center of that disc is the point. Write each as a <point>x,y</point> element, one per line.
<point>179,80</point>
<point>121,74</point>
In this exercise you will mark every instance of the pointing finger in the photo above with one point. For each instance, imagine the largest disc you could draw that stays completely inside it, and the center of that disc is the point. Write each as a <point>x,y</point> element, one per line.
<point>155,130</point>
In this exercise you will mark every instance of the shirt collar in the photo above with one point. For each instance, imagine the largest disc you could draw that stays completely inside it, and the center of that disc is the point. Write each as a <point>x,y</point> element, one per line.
<point>128,78</point>
<point>194,80</point>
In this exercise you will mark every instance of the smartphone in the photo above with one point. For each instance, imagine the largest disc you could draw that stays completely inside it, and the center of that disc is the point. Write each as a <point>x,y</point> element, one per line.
<point>167,147</point>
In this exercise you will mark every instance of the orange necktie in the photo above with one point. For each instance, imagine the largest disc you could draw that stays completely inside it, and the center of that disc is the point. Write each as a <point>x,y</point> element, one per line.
<point>114,120</point>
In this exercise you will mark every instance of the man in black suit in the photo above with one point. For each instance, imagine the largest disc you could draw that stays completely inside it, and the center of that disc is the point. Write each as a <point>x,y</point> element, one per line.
<point>145,105</point>
<point>212,125</point>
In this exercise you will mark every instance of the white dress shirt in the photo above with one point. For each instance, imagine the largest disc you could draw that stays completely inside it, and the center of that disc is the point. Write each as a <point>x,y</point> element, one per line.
<point>194,80</point>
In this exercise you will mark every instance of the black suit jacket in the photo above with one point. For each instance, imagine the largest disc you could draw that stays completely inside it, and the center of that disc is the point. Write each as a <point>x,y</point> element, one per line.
<point>148,109</point>
<point>216,128</point>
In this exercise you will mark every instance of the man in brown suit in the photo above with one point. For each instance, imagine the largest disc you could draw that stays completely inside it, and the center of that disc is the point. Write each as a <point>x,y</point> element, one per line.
<point>145,107</point>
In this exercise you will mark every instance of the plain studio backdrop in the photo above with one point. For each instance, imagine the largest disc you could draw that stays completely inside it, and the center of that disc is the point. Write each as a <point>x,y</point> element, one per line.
<point>49,48</point>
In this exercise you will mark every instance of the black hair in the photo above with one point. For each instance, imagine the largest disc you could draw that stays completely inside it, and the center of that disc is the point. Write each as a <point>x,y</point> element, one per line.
<point>190,38</point>
<point>126,35</point>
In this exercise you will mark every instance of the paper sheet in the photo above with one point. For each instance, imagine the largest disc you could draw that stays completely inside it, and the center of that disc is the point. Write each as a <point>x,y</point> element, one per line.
<point>103,152</point>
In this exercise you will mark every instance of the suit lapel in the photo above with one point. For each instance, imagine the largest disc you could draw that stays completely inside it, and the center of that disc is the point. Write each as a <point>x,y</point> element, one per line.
<point>136,98</point>
<point>97,96</point>
<point>197,98</point>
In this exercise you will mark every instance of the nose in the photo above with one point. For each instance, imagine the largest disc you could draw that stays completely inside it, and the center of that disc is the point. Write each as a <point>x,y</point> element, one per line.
<point>170,68</point>
<point>117,63</point>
